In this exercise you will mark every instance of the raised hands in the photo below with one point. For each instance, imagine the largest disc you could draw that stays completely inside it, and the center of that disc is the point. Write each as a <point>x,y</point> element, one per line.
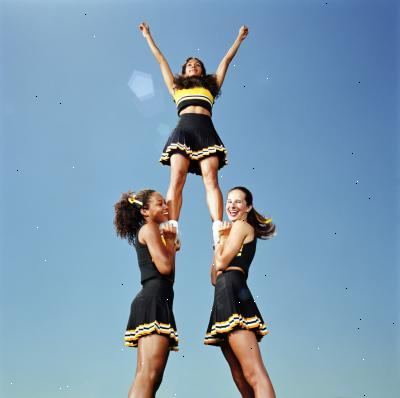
<point>243,32</point>
<point>145,29</point>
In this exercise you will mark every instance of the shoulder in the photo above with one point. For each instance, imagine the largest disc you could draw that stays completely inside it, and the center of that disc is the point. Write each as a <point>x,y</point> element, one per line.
<point>240,227</point>
<point>146,232</point>
<point>244,229</point>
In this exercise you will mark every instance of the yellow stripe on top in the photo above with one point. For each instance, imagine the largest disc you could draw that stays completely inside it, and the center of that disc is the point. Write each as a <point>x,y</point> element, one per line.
<point>195,93</point>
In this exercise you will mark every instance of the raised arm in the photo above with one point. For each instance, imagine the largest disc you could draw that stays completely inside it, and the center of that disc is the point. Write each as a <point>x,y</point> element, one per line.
<point>165,69</point>
<point>224,64</point>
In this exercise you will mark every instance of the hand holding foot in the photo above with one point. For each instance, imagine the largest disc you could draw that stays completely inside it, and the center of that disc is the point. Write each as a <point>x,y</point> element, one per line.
<point>168,231</point>
<point>224,229</point>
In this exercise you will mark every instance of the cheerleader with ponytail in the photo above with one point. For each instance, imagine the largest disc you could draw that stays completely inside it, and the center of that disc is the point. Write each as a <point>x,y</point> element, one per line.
<point>236,324</point>
<point>151,326</point>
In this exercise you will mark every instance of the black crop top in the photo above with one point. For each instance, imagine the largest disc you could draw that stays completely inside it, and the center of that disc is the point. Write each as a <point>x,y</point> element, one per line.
<point>245,256</point>
<point>148,269</point>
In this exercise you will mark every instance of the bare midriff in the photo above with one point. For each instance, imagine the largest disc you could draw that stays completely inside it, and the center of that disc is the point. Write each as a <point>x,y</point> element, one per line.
<point>231,269</point>
<point>195,109</point>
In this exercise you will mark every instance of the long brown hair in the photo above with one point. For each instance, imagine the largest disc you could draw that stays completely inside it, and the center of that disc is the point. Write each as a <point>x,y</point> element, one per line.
<point>207,81</point>
<point>264,228</point>
<point>128,218</point>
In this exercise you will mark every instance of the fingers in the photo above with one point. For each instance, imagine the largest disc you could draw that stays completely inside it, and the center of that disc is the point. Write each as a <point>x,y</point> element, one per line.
<point>168,230</point>
<point>225,228</point>
<point>144,28</point>
<point>244,31</point>
<point>225,225</point>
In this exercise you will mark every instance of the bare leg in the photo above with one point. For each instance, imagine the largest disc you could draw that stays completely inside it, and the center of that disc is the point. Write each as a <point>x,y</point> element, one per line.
<point>237,373</point>
<point>209,172</point>
<point>179,170</point>
<point>152,357</point>
<point>245,347</point>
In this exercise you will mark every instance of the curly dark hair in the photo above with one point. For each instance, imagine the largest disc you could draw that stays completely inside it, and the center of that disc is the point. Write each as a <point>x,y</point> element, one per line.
<point>207,81</point>
<point>263,227</point>
<point>128,218</point>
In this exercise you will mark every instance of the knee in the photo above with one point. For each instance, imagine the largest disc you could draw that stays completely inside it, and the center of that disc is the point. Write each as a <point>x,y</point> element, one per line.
<point>210,179</point>
<point>178,179</point>
<point>239,380</point>
<point>254,376</point>
<point>150,376</point>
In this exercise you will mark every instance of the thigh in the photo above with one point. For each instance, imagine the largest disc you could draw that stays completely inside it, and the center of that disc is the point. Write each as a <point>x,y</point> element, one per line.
<point>245,347</point>
<point>153,351</point>
<point>209,165</point>
<point>230,357</point>
<point>179,163</point>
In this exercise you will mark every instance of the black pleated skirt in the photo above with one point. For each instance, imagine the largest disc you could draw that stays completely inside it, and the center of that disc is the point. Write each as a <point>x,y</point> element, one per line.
<point>233,308</point>
<point>196,138</point>
<point>151,312</point>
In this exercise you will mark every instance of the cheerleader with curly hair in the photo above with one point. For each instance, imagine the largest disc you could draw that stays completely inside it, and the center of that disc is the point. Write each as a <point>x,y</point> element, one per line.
<point>194,145</point>
<point>236,324</point>
<point>151,325</point>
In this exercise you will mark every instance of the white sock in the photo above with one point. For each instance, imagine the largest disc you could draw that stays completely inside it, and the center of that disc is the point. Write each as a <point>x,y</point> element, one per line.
<point>174,223</point>
<point>163,224</point>
<point>215,229</point>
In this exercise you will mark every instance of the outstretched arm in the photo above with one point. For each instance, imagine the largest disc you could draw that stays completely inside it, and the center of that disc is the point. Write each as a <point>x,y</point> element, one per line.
<point>165,69</point>
<point>224,64</point>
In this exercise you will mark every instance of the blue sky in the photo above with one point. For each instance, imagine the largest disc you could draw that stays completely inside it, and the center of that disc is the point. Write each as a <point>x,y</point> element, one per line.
<point>309,114</point>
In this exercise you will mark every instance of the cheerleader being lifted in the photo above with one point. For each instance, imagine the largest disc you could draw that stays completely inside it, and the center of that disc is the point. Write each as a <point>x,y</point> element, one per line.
<point>194,145</point>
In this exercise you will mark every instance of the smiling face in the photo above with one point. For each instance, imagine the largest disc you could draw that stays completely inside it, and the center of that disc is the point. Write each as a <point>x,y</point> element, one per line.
<point>193,67</point>
<point>236,206</point>
<point>156,209</point>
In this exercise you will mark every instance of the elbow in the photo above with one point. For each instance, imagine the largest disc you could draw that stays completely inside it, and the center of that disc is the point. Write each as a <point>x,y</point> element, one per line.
<point>165,267</point>
<point>165,270</point>
<point>226,61</point>
<point>219,265</point>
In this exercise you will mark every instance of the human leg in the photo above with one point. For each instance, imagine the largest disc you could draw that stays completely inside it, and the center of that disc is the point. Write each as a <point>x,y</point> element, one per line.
<point>237,373</point>
<point>245,347</point>
<point>179,170</point>
<point>152,356</point>
<point>209,172</point>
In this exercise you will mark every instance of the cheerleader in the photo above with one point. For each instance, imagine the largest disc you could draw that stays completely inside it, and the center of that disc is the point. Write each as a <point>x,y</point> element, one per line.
<point>194,145</point>
<point>236,324</point>
<point>151,325</point>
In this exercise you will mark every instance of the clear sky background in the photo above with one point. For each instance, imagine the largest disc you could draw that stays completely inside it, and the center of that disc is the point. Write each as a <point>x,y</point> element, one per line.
<point>309,114</point>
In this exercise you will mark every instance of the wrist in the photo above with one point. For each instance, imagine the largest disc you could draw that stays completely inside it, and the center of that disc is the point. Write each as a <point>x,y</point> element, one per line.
<point>170,244</point>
